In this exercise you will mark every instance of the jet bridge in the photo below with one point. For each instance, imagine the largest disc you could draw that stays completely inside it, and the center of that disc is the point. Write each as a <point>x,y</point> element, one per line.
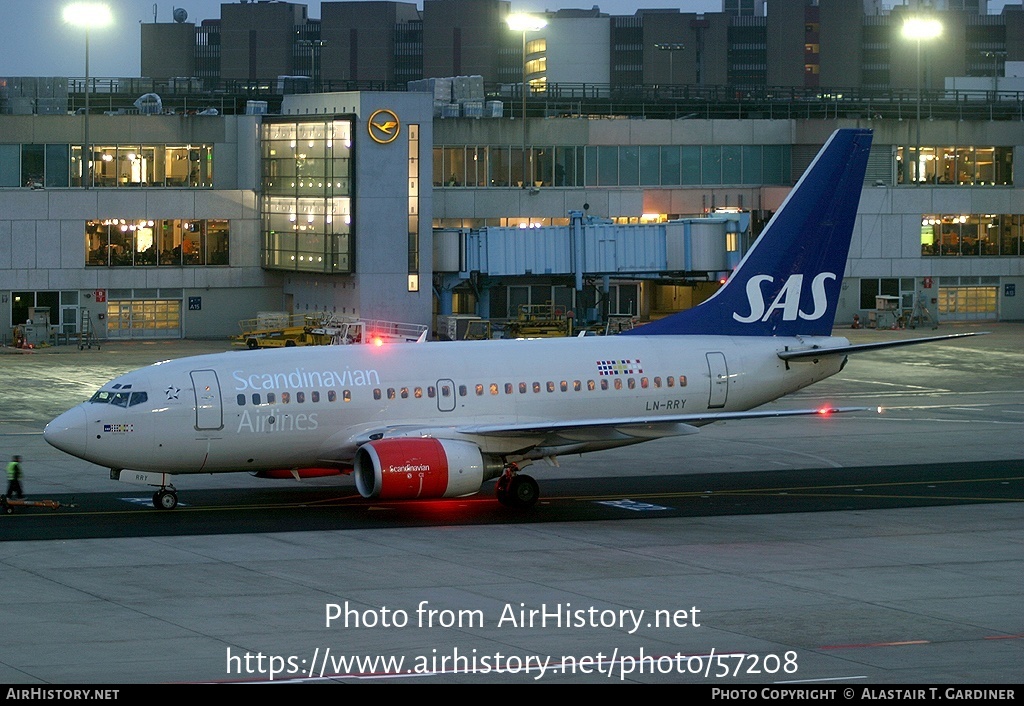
<point>695,248</point>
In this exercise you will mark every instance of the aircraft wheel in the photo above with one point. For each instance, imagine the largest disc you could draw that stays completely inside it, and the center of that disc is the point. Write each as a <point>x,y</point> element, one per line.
<point>164,499</point>
<point>519,492</point>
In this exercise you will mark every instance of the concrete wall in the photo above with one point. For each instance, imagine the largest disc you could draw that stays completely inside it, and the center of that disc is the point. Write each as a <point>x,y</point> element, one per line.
<point>168,50</point>
<point>462,39</point>
<point>578,49</point>
<point>360,42</point>
<point>257,39</point>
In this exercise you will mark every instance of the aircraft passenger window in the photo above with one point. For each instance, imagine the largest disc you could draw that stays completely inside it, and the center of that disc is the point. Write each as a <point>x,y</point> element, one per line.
<point>300,397</point>
<point>563,386</point>
<point>138,398</point>
<point>577,385</point>
<point>431,392</point>
<point>256,398</point>
<point>508,388</point>
<point>240,398</point>
<point>632,383</point>
<point>120,399</point>
<point>445,391</point>
<point>657,382</point>
<point>671,381</point>
<point>417,393</point>
<point>391,393</point>
<point>479,389</point>
<point>536,387</point>
<point>462,391</point>
<point>332,396</point>
<point>271,398</point>
<point>376,393</point>
<point>494,388</point>
<point>551,386</point>
<point>346,395</point>
<point>590,385</point>
<point>405,393</point>
<point>522,388</point>
<point>604,384</point>
<point>314,396</point>
<point>618,383</point>
<point>682,381</point>
<point>285,398</point>
<point>643,383</point>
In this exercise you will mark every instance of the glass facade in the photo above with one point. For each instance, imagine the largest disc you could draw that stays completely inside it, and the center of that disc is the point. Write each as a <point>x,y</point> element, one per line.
<point>955,165</point>
<point>307,195</point>
<point>131,165</point>
<point>972,234</point>
<point>123,242</point>
<point>414,207</point>
<point>625,165</point>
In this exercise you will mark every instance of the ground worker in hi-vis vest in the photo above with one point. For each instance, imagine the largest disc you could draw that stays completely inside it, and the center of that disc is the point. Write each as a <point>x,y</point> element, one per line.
<point>14,475</point>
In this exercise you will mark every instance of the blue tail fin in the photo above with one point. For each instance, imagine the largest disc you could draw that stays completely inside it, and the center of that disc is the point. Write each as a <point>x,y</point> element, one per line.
<point>788,283</point>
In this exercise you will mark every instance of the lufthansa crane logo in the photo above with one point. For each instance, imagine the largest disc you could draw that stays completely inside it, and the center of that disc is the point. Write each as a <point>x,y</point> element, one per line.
<point>383,126</point>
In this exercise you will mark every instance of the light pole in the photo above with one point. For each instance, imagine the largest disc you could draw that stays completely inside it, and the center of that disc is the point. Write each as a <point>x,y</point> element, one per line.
<point>995,56</point>
<point>671,48</point>
<point>315,47</point>
<point>525,23</point>
<point>918,29</point>
<point>87,15</point>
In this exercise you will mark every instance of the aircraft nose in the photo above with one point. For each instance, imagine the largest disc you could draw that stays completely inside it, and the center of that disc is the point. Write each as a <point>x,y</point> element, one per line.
<point>68,432</point>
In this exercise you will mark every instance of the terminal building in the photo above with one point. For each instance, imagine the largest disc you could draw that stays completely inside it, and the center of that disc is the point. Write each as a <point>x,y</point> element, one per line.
<point>375,204</point>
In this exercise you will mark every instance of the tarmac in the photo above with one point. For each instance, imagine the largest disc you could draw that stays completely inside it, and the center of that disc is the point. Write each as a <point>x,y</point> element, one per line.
<point>912,595</point>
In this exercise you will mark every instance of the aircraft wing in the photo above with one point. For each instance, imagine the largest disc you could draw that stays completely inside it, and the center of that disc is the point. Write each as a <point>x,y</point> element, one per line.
<point>642,427</point>
<point>565,434</point>
<point>820,352</point>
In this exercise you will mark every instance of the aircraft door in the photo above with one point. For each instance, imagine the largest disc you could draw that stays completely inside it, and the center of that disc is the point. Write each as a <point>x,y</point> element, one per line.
<point>209,413</point>
<point>445,395</point>
<point>719,380</point>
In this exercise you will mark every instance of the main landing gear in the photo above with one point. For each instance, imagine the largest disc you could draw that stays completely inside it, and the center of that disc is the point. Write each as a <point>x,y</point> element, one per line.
<point>165,499</point>
<point>515,489</point>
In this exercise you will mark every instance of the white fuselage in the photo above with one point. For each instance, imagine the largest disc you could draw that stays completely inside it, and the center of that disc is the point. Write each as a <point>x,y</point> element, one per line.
<point>312,407</point>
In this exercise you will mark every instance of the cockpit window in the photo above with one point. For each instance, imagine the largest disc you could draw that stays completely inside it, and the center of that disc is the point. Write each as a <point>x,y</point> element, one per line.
<point>124,398</point>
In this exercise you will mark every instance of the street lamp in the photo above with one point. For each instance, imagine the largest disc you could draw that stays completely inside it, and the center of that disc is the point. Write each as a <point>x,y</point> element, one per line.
<point>87,15</point>
<point>525,23</point>
<point>671,48</point>
<point>995,56</point>
<point>918,29</point>
<point>315,46</point>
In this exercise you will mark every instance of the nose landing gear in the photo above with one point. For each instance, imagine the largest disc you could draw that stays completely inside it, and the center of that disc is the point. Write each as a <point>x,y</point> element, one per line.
<point>165,499</point>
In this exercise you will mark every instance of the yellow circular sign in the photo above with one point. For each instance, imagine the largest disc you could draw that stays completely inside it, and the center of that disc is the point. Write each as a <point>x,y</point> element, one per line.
<point>383,126</point>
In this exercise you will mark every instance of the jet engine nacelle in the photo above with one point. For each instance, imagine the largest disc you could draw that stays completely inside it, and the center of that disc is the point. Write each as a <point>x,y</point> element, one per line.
<point>396,469</point>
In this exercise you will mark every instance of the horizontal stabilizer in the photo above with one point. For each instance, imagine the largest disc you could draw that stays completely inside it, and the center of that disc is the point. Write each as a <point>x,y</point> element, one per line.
<point>818,353</point>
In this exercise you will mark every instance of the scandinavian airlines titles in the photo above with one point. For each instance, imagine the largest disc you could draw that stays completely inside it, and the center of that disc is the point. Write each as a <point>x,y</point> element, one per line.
<point>300,377</point>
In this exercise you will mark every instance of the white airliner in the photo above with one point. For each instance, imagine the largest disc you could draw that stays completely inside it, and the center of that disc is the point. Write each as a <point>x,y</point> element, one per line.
<point>437,420</point>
